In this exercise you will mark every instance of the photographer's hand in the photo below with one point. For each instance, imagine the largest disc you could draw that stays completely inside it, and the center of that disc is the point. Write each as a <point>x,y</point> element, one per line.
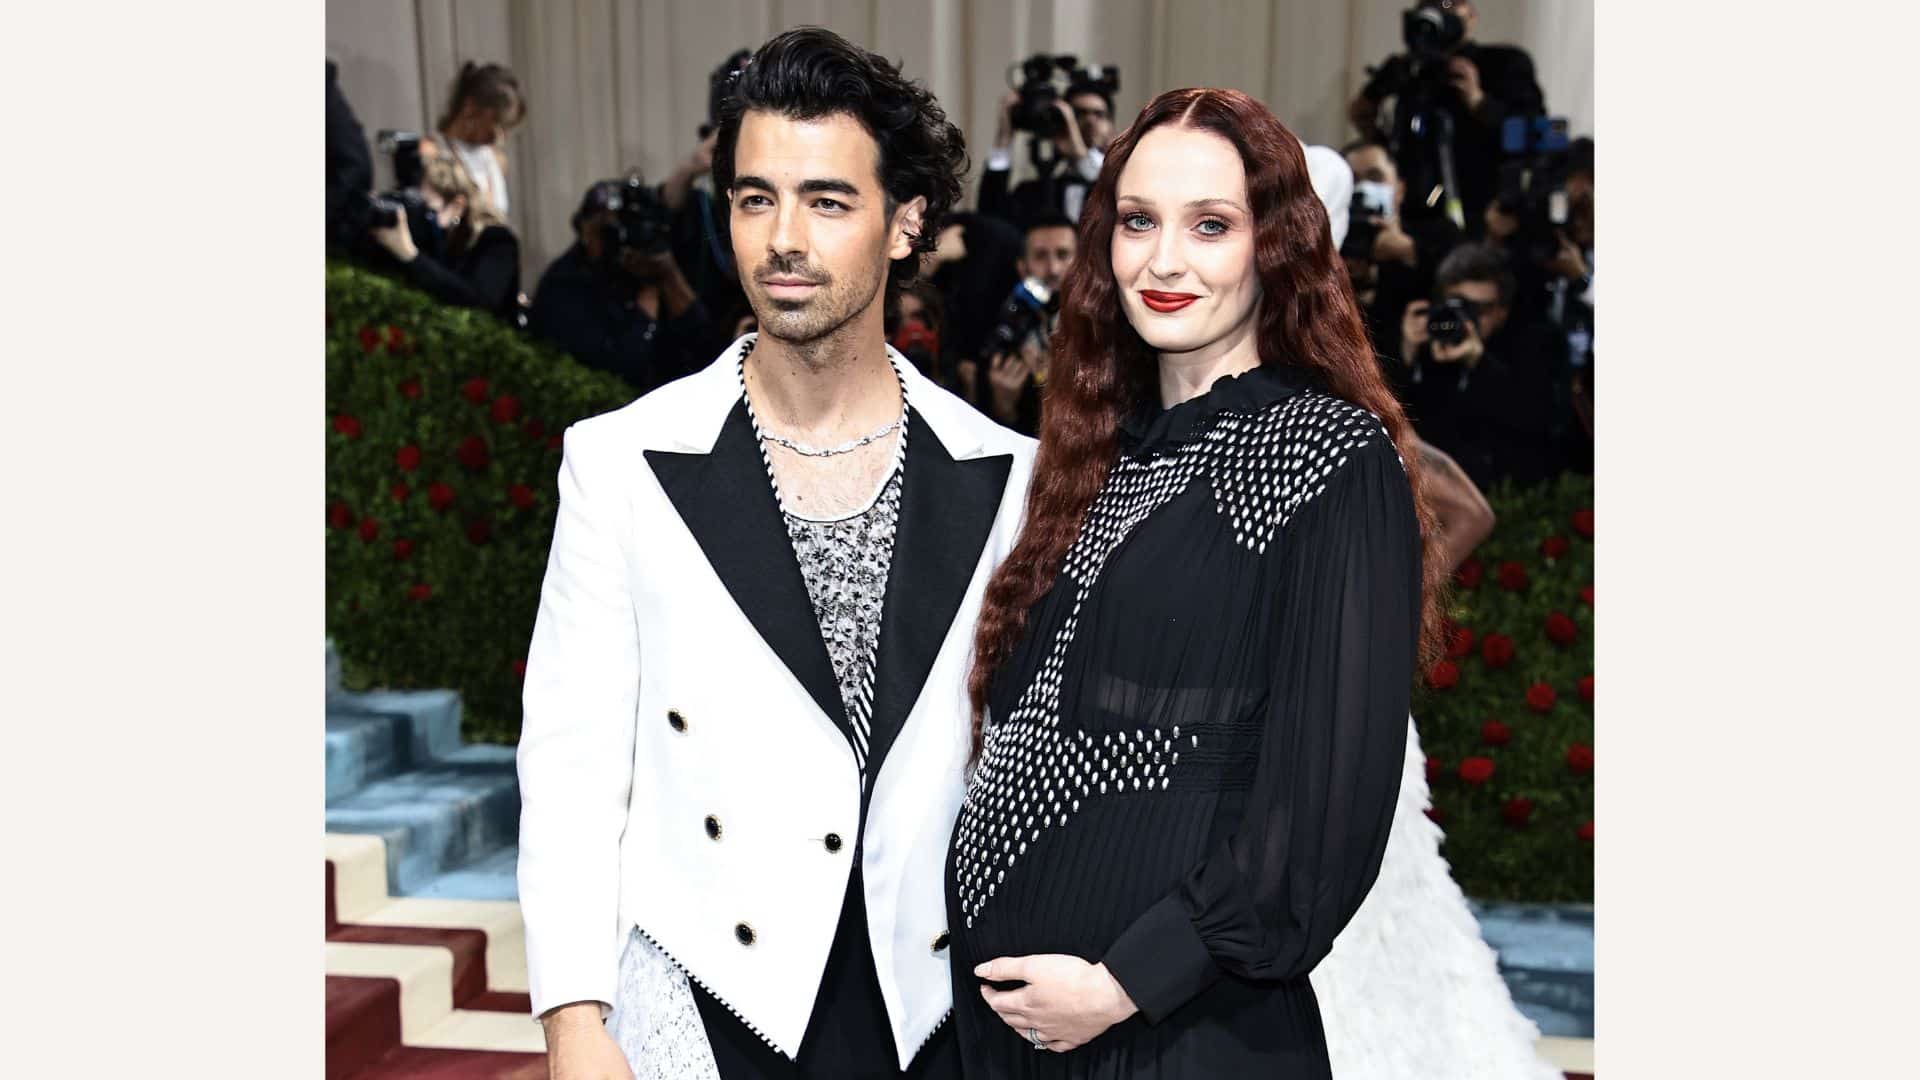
<point>1470,351</point>
<point>1068,142</point>
<point>1568,262</point>
<point>1413,330</point>
<point>397,239</point>
<point>1465,77</point>
<point>1007,377</point>
<point>1392,244</point>
<point>1003,135</point>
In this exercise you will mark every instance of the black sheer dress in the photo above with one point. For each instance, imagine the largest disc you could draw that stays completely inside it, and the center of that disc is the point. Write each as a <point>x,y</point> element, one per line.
<point>1192,756</point>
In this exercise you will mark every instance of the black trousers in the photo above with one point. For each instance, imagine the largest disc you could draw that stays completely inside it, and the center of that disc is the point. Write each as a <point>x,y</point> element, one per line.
<point>848,1036</point>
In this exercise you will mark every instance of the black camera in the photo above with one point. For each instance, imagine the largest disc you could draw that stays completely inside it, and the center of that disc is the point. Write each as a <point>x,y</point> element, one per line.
<point>1045,80</point>
<point>1431,30</point>
<point>1449,318</point>
<point>642,223</point>
<point>386,209</point>
<point>1022,316</point>
<point>1532,182</point>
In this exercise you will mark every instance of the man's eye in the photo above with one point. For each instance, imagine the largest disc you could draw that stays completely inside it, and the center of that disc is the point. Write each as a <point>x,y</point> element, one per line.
<point>749,200</point>
<point>832,204</point>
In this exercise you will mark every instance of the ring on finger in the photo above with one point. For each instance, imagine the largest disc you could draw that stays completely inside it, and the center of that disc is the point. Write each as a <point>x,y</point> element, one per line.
<point>1033,1036</point>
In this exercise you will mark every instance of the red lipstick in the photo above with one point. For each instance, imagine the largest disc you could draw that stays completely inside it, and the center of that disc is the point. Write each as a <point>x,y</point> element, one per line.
<point>1166,301</point>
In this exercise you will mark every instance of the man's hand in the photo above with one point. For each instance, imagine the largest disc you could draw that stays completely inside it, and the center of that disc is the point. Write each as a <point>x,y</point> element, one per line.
<point>1568,262</point>
<point>396,238</point>
<point>1007,375</point>
<point>1392,244</point>
<point>1465,78</point>
<point>579,1046</point>
<point>1068,1001</point>
<point>1069,143</point>
<point>1413,330</point>
<point>1003,135</point>
<point>648,269</point>
<point>1470,351</point>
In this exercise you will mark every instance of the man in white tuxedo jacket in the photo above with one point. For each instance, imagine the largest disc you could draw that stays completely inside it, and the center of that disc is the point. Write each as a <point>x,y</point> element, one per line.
<point>746,724</point>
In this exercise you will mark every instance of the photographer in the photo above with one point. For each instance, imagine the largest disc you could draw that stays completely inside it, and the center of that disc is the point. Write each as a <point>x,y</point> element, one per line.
<point>616,300</point>
<point>483,107</point>
<point>1016,348</point>
<point>974,265</point>
<point>1479,384</point>
<point>465,255</point>
<point>1392,248</point>
<point>1456,84</point>
<point>1078,125</point>
<point>349,169</point>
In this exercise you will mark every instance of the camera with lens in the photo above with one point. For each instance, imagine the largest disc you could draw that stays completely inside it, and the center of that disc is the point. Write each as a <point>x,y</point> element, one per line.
<point>1421,140</point>
<point>1449,319</point>
<point>386,209</point>
<point>1045,80</point>
<point>1532,182</point>
<point>641,223</point>
<point>1022,316</point>
<point>1363,225</point>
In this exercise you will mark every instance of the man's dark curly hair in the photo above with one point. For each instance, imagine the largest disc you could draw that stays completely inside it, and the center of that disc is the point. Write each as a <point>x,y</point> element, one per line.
<point>808,73</point>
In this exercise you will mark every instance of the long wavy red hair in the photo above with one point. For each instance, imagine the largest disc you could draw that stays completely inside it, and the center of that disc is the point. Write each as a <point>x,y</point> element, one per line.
<point>1101,369</point>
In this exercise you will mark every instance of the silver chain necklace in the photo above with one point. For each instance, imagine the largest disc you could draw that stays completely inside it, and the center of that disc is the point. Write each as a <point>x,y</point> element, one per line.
<point>816,451</point>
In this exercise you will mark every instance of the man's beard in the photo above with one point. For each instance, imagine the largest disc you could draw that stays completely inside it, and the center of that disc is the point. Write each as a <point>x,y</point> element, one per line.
<point>803,321</point>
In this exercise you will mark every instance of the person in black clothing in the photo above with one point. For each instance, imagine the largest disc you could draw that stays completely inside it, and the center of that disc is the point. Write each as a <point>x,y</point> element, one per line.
<point>1086,129</point>
<point>639,319</point>
<point>1409,241</point>
<point>1486,84</point>
<point>468,258</point>
<point>1014,378</point>
<point>1192,674</point>
<point>975,266</point>
<point>1492,401</point>
<point>349,169</point>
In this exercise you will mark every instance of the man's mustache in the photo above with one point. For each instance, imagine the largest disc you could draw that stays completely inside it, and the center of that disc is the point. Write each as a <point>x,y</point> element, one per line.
<point>777,268</point>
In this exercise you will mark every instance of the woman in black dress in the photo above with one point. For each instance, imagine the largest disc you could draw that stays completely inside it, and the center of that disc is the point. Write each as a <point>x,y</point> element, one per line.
<point>1192,674</point>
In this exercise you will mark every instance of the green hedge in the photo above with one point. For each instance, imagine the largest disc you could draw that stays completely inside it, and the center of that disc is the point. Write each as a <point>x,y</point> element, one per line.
<point>443,448</point>
<point>1522,710</point>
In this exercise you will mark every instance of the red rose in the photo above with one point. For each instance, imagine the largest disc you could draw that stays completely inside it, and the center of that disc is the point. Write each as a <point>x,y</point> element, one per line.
<point>535,429</point>
<point>396,338</point>
<point>1517,811</point>
<point>1585,686</point>
<point>1436,815</point>
<point>369,529</point>
<point>473,453</point>
<point>479,531</point>
<point>1579,759</point>
<point>439,496</point>
<point>347,426</point>
<point>475,390</point>
<point>519,669</point>
<point>1469,574</point>
<point>1443,675</point>
<point>369,339</point>
<point>1586,832</point>
<point>1560,629</point>
<point>402,550</point>
<point>338,515</point>
<point>400,492</point>
<point>1476,770</point>
<point>506,409</point>
<point>1495,733</point>
<point>1554,546</point>
<point>410,389</point>
<point>1583,523</point>
<point>419,592</point>
<point>1460,643</point>
<point>1496,650</point>
<point>1434,768</point>
<point>554,442</point>
<point>521,496</point>
<point>408,458</point>
<point>1540,697</point>
<point>1586,595</point>
<point>1513,576</point>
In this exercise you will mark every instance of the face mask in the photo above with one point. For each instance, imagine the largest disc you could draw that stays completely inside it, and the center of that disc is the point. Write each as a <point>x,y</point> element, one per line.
<point>1375,195</point>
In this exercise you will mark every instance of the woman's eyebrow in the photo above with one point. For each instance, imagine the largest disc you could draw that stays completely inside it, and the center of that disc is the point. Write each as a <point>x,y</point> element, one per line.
<point>1195,204</point>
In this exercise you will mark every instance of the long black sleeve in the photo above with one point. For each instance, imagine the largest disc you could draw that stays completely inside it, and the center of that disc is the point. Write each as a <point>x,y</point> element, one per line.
<point>1267,903</point>
<point>993,193</point>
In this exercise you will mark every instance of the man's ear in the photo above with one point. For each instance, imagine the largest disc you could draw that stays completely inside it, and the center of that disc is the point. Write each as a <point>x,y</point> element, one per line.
<point>908,220</point>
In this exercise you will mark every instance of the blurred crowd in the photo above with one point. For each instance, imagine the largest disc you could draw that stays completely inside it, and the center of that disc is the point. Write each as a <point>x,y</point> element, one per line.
<point>1462,209</point>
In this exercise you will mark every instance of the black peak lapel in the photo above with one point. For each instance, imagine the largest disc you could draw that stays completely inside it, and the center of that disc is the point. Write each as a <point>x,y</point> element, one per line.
<point>728,504</point>
<point>947,508</point>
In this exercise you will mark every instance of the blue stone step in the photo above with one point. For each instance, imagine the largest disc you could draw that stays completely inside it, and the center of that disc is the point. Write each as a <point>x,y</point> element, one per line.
<point>432,717</point>
<point>439,818</point>
<point>363,747</point>
<point>1546,957</point>
<point>490,877</point>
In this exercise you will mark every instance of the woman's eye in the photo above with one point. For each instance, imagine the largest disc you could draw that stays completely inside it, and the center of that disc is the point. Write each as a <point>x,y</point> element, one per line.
<point>1220,227</point>
<point>1130,219</point>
